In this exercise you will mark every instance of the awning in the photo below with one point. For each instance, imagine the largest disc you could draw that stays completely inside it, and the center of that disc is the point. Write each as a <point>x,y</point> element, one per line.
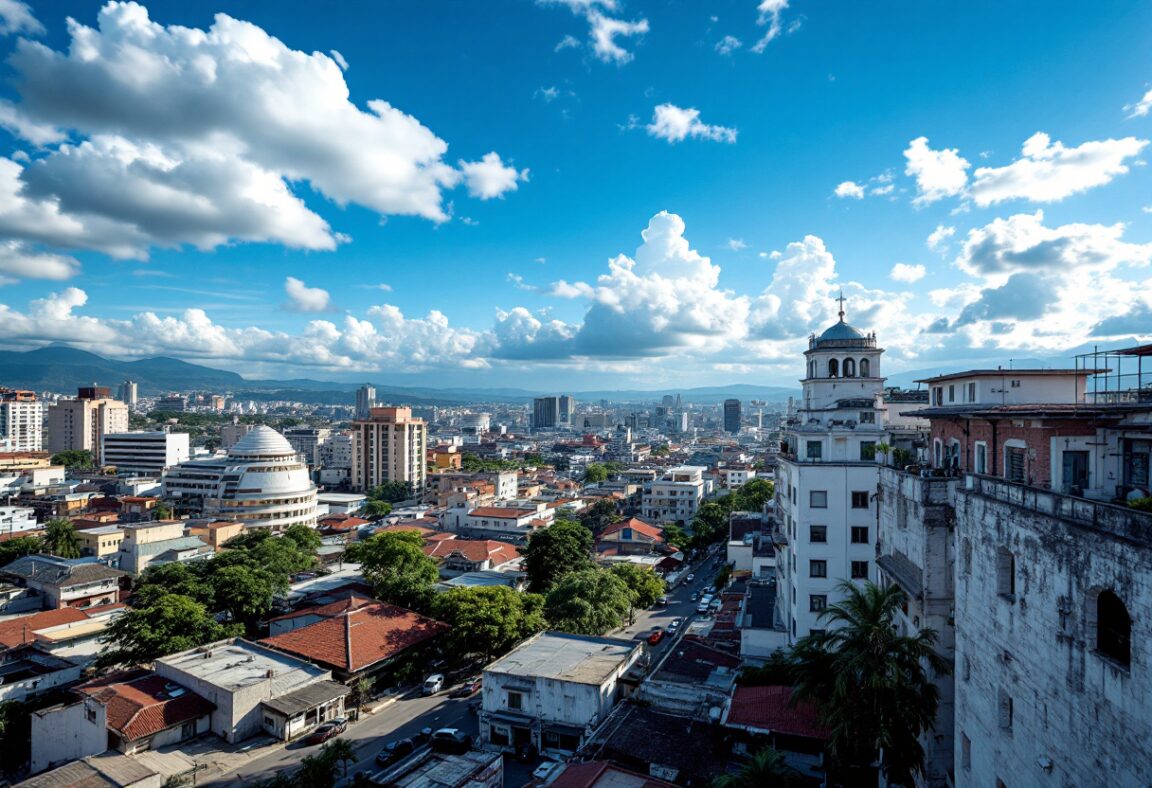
<point>510,719</point>
<point>904,572</point>
<point>306,698</point>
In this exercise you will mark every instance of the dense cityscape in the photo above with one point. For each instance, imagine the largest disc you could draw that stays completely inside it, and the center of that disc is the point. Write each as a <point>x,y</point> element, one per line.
<point>865,508</point>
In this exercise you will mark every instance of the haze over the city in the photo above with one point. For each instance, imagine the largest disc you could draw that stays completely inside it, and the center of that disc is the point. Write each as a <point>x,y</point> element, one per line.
<point>573,193</point>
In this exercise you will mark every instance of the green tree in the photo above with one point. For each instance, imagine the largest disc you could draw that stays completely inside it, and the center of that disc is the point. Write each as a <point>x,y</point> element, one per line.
<point>395,565</point>
<point>186,578</point>
<point>283,558</point>
<point>711,522</point>
<point>307,539</point>
<point>777,671</point>
<point>172,623</point>
<point>60,538</point>
<point>676,536</point>
<point>316,771</point>
<point>767,769</point>
<point>600,515</point>
<point>595,473</point>
<point>363,690</point>
<point>20,547</point>
<point>74,459</point>
<point>377,508</point>
<point>340,752</point>
<point>588,602</point>
<point>645,585</point>
<point>248,539</point>
<point>872,685</point>
<point>244,592</point>
<point>161,511</point>
<point>391,492</point>
<point>550,554</point>
<point>722,577</point>
<point>488,620</point>
<point>752,496</point>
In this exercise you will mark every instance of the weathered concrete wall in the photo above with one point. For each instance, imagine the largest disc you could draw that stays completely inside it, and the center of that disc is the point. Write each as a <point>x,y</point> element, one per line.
<point>1076,717</point>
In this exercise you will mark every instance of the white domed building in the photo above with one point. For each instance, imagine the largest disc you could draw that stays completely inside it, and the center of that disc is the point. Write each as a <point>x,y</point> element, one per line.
<point>261,483</point>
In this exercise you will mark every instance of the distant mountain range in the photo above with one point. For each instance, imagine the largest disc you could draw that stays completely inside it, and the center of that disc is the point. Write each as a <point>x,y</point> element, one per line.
<point>62,369</point>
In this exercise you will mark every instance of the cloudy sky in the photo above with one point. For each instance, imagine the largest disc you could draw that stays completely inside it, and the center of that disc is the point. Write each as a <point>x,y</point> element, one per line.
<point>573,193</point>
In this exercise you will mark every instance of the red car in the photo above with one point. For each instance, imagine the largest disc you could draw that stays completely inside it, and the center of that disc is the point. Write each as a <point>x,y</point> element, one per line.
<point>334,727</point>
<point>656,636</point>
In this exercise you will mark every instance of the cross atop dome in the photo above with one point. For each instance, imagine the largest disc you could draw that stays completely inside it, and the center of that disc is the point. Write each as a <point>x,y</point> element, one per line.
<point>841,299</point>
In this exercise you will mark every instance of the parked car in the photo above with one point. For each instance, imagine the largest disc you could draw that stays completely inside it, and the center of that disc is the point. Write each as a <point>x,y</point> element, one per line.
<point>424,735</point>
<point>544,770</point>
<point>690,578</point>
<point>695,596</point>
<point>656,636</point>
<point>433,684</point>
<point>468,688</point>
<point>395,750</point>
<point>327,730</point>
<point>662,601</point>
<point>675,624</point>
<point>451,740</point>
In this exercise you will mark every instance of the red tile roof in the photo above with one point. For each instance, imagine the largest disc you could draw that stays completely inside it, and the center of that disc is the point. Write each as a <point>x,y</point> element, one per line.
<point>653,532</point>
<point>356,633</point>
<point>767,708</point>
<point>593,773</point>
<point>341,522</point>
<point>18,631</point>
<point>139,703</point>
<point>474,550</point>
<point>501,513</point>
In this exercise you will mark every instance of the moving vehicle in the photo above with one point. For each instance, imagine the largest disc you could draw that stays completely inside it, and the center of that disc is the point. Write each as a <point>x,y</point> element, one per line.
<point>325,731</point>
<point>690,578</point>
<point>656,636</point>
<point>395,750</point>
<point>695,596</point>
<point>451,740</point>
<point>662,601</point>
<point>544,770</point>
<point>469,687</point>
<point>433,684</point>
<point>676,622</point>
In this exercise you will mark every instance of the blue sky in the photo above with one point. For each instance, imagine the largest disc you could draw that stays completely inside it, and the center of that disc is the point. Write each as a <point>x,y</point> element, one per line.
<point>227,189</point>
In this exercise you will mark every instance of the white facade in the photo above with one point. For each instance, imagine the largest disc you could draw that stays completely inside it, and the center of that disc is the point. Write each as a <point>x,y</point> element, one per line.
<point>78,424</point>
<point>147,453</point>
<point>308,441</point>
<point>337,451</point>
<point>827,475</point>
<point>1008,387</point>
<point>676,495</point>
<point>21,425</point>
<point>16,519</point>
<point>553,689</point>
<point>261,483</point>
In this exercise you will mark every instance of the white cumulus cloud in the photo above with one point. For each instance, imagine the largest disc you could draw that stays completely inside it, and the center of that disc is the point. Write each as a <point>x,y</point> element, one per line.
<point>850,189</point>
<point>490,177</point>
<point>728,44</point>
<point>302,298</point>
<point>676,124</point>
<point>938,173</point>
<point>906,272</point>
<point>604,31</point>
<point>16,17</point>
<point>769,16</point>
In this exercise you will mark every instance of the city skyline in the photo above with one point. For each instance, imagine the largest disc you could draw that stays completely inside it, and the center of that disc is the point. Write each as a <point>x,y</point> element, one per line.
<point>583,192</point>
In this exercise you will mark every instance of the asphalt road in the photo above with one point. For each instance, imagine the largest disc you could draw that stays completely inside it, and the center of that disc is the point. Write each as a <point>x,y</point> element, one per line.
<point>408,715</point>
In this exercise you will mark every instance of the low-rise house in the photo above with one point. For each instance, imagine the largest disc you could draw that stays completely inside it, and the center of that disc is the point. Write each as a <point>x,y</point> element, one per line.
<point>601,774</point>
<point>101,542</point>
<point>458,556</point>
<point>27,671</point>
<point>353,637</point>
<point>472,769</point>
<point>162,542</point>
<point>553,689</point>
<point>256,689</point>
<point>216,533</point>
<point>65,582</point>
<point>69,632</point>
<point>695,679</point>
<point>767,717</point>
<point>107,770</point>
<point>129,712</point>
<point>632,537</point>
<point>517,581</point>
<point>515,520</point>
<point>760,631</point>
<point>18,520</point>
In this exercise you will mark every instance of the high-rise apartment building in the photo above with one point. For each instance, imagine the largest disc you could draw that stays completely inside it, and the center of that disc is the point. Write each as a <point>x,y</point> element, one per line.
<point>230,434</point>
<point>567,410</point>
<point>732,415</point>
<point>389,446</point>
<point>827,475</point>
<point>79,424</point>
<point>365,401</point>
<point>307,441</point>
<point>21,421</point>
<point>129,393</point>
<point>551,413</point>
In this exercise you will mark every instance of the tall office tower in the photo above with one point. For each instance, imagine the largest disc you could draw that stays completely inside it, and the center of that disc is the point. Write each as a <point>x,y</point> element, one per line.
<point>128,393</point>
<point>567,410</point>
<point>827,474</point>
<point>389,446</point>
<point>365,401</point>
<point>545,413</point>
<point>21,421</point>
<point>668,401</point>
<point>79,424</point>
<point>732,415</point>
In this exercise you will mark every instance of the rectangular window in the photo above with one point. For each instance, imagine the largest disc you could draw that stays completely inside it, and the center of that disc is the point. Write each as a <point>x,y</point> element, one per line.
<point>1005,574</point>
<point>818,499</point>
<point>965,752</point>
<point>971,392</point>
<point>868,417</point>
<point>817,568</point>
<point>938,396</point>
<point>859,570</point>
<point>516,700</point>
<point>867,451</point>
<point>1015,384</point>
<point>860,499</point>
<point>815,450</point>
<point>817,603</point>
<point>951,393</point>
<point>1005,711</point>
<point>817,533</point>
<point>981,458</point>
<point>859,534</point>
<point>1014,464</point>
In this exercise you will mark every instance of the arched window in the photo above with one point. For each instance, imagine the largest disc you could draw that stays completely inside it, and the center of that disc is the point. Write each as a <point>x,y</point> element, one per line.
<point>849,368</point>
<point>833,368</point>
<point>864,368</point>
<point>1113,628</point>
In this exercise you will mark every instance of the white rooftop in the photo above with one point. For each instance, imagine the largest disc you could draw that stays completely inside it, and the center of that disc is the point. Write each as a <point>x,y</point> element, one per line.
<point>262,440</point>
<point>234,664</point>
<point>556,655</point>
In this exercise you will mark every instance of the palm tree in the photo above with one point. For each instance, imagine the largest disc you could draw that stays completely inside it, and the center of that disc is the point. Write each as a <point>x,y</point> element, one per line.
<point>767,769</point>
<point>872,685</point>
<point>363,687</point>
<point>60,538</point>
<point>340,752</point>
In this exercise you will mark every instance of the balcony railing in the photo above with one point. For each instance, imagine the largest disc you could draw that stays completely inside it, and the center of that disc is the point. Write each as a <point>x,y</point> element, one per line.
<point>1119,521</point>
